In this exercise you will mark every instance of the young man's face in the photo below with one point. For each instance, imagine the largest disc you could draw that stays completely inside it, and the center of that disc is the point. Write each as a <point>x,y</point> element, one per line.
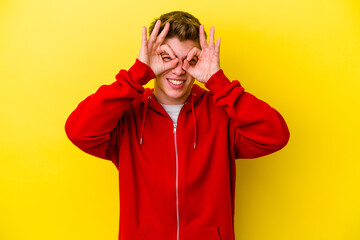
<point>173,86</point>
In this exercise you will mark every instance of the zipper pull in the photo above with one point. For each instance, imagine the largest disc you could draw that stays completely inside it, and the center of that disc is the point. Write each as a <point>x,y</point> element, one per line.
<point>175,125</point>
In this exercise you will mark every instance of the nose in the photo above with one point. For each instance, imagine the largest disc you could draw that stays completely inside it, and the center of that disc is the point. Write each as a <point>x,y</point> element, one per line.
<point>178,70</point>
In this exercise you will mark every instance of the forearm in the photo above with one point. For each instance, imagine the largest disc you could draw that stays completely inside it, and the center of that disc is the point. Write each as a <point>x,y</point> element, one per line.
<point>258,128</point>
<point>90,125</point>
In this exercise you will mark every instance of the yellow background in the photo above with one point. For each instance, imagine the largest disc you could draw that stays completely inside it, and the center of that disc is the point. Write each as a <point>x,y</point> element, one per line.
<point>300,56</point>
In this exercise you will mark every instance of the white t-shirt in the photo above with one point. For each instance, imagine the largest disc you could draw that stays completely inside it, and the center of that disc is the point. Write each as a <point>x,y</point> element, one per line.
<point>173,111</point>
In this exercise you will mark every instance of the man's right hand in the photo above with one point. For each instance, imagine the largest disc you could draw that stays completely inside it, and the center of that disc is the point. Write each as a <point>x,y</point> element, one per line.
<point>151,50</point>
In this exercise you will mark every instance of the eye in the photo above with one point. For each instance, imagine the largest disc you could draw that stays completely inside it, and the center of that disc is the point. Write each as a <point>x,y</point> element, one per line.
<point>166,58</point>
<point>193,62</point>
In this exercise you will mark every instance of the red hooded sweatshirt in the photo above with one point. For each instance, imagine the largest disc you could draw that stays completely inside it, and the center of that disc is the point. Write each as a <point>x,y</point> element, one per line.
<point>177,181</point>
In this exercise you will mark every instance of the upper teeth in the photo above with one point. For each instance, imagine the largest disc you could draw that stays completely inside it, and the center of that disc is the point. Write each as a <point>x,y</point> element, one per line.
<point>176,82</point>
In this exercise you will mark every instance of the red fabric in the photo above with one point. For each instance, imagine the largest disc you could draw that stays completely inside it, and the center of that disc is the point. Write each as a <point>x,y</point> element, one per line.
<point>230,124</point>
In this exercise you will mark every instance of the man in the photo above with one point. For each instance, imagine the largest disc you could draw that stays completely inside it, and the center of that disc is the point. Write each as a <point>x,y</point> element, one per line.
<point>175,146</point>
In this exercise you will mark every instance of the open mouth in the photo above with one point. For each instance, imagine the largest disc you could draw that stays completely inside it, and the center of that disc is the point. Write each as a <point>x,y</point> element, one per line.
<point>176,83</point>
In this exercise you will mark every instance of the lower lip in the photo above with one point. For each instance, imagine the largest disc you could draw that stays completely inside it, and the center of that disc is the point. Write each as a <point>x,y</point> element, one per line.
<point>176,86</point>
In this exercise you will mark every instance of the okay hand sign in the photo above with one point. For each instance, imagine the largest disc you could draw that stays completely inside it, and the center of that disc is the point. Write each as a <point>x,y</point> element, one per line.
<point>208,57</point>
<point>151,50</point>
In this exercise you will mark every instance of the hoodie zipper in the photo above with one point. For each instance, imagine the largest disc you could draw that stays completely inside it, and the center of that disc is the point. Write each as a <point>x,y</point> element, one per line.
<point>177,176</point>
<point>177,184</point>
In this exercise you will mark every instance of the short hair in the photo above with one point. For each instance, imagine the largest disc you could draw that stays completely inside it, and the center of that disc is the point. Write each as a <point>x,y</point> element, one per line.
<point>183,25</point>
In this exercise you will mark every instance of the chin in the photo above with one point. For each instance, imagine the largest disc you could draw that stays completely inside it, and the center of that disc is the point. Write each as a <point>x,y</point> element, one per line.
<point>175,94</point>
<point>170,91</point>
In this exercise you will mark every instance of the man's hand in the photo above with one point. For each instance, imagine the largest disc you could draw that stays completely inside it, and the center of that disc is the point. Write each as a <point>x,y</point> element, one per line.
<point>208,57</point>
<point>151,50</point>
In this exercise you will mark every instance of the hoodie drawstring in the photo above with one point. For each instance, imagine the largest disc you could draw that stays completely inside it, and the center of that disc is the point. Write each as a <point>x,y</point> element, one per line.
<point>144,118</point>
<point>195,128</point>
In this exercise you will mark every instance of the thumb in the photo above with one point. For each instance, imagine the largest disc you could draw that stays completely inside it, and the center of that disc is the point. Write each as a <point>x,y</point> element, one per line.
<point>188,68</point>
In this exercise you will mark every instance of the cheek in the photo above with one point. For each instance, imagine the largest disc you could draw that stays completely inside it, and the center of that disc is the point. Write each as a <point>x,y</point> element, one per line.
<point>190,82</point>
<point>160,81</point>
<point>164,75</point>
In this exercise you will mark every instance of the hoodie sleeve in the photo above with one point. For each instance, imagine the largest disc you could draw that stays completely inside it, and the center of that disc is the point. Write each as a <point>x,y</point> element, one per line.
<point>257,129</point>
<point>94,126</point>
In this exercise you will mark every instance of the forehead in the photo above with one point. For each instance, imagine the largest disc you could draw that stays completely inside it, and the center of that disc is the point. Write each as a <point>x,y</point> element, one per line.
<point>180,48</point>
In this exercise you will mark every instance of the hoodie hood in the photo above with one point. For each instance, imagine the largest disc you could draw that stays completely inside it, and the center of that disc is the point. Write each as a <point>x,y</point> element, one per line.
<point>149,100</point>
<point>196,93</point>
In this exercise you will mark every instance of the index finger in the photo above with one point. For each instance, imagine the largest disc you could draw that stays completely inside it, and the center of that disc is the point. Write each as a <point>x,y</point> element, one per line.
<point>193,52</point>
<point>167,49</point>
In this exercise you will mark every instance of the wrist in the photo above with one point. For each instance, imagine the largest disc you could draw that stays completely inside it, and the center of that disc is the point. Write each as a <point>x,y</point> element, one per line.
<point>140,72</point>
<point>211,74</point>
<point>217,81</point>
<point>142,60</point>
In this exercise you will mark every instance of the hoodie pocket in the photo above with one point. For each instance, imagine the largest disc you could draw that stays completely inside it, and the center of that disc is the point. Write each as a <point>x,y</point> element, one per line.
<point>155,232</point>
<point>200,233</point>
<point>141,231</point>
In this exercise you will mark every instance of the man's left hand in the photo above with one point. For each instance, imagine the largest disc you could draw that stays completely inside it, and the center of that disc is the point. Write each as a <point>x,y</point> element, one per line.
<point>208,61</point>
